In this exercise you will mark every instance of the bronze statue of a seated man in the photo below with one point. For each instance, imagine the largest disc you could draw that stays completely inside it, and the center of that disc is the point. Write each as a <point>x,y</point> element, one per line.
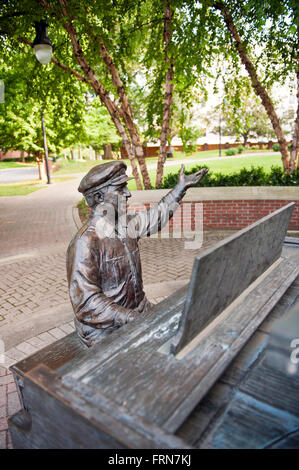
<point>103,260</point>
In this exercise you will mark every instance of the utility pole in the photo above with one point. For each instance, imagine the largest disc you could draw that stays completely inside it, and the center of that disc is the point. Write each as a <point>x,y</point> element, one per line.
<point>220,134</point>
<point>45,149</point>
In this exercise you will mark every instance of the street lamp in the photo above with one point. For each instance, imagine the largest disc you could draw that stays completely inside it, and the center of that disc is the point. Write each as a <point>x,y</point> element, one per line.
<point>45,148</point>
<point>220,133</point>
<point>42,45</point>
<point>220,130</point>
<point>43,52</point>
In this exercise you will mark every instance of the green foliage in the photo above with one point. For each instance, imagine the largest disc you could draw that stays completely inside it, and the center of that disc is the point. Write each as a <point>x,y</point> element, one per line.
<point>256,176</point>
<point>275,147</point>
<point>242,112</point>
<point>98,127</point>
<point>82,206</point>
<point>30,158</point>
<point>132,31</point>
<point>240,149</point>
<point>188,136</point>
<point>27,91</point>
<point>230,152</point>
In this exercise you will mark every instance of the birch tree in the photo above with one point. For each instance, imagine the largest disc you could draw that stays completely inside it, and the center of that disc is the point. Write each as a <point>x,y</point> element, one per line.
<point>168,95</point>
<point>280,42</point>
<point>82,29</point>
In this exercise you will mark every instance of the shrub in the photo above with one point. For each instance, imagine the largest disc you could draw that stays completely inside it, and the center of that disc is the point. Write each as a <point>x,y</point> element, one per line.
<point>255,176</point>
<point>56,167</point>
<point>255,147</point>
<point>83,209</point>
<point>275,147</point>
<point>230,152</point>
<point>240,149</point>
<point>30,158</point>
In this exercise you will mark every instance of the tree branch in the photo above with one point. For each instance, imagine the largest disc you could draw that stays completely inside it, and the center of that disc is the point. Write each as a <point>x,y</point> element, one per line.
<point>126,112</point>
<point>257,86</point>
<point>95,84</point>
<point>11,15</point>
<point>295,137</point>
<point>167,107</point>
<point>69,70</point>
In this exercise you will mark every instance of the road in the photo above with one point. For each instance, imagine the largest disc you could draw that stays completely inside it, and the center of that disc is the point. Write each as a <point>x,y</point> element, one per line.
<point>14,175</point>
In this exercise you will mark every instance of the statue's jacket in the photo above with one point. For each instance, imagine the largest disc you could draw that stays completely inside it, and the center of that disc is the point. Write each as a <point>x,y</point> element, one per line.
<point>104,267</point>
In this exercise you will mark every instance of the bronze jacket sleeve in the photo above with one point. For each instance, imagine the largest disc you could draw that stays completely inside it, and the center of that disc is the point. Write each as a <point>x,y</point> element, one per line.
<point>154,219</point>
<point>90,305</point>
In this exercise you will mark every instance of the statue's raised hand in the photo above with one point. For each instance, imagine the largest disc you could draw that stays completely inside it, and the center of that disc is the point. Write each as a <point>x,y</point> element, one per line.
<point>188,181</point>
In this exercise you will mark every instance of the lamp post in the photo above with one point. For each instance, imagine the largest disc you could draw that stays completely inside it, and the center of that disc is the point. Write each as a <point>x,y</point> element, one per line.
<point>42,45</point>
<point>220,134</point>
<point>220,122</point>
<point>45,148</point>
<point>43,52</point>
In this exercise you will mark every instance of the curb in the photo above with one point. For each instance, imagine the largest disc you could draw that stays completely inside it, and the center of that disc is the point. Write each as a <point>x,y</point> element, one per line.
<point>76,217</point>
<point>17,332</point>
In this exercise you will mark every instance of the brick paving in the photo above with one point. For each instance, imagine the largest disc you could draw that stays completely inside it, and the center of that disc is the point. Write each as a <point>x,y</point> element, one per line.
<point>34,234</point>
<point>32,285</point>
<point>39,220</point>
<point>37,283</point>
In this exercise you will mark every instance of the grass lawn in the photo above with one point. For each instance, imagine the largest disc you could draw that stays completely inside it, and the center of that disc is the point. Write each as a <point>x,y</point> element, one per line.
<point>25,187</point>
<point>75,166</point>
<point>4,165</point>
<point>221,165</point>
<point>229,165</point>
<point>19,189</point>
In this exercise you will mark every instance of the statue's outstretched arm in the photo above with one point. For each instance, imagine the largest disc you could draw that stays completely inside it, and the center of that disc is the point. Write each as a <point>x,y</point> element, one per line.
<point>154,219</point>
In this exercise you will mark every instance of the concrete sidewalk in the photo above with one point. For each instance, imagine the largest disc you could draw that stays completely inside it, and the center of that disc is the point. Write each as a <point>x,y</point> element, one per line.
<point>35,309</point>
<point>35,231</point>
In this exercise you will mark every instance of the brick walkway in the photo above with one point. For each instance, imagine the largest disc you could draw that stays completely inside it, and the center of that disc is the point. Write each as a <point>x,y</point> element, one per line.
<point>38,283</point>
<point>35,232</point>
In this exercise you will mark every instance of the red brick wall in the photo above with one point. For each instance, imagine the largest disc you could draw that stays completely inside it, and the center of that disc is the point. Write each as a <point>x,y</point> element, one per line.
<point>153,151</point>
<point>226,215</point>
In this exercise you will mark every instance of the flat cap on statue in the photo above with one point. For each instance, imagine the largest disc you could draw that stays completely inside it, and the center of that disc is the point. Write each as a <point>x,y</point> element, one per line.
<point>105,174</point>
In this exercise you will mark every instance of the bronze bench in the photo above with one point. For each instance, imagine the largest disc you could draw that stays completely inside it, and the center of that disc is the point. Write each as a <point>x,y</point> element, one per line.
<point>137,387</point>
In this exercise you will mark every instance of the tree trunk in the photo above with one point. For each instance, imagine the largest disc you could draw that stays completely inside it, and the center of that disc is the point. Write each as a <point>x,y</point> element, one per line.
<point>245,138</point>
<point>137,150</point>
<point>72,154</point>
<point>127,114</point>
<point>295,138</point>
<point>96,153</point>
<point>107,152</point>
<point>257,86</point>
<point>79,152</point>
<point>168,15</point>
<point>22,156</point>
<point>96,85</point>
<point>122,132</point>
<point>41,166</point>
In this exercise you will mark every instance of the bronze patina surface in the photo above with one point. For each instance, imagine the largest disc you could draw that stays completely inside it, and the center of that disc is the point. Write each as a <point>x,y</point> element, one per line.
<point>103,261</point>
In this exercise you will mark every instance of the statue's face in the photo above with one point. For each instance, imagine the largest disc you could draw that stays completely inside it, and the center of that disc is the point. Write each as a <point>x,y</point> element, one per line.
<point>117,196</point>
